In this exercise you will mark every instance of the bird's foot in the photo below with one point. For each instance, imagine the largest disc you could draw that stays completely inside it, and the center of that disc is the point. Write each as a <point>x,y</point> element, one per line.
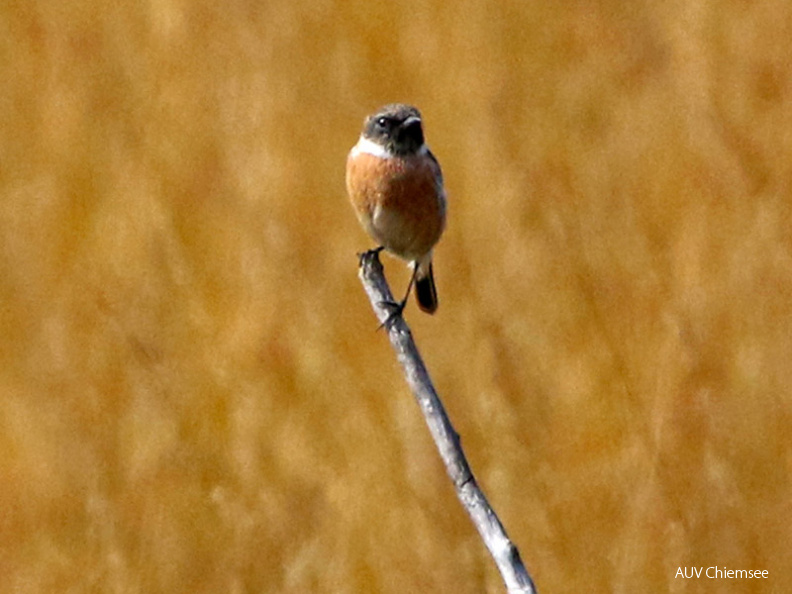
<point>396,309</point>
<point>369,254</point>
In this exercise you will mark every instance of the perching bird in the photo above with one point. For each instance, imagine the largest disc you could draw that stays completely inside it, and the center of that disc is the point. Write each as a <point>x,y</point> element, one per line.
<point>396,188</point>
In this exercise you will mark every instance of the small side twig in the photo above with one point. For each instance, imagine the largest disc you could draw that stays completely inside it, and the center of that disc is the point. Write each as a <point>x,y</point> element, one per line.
<point>503,551</point>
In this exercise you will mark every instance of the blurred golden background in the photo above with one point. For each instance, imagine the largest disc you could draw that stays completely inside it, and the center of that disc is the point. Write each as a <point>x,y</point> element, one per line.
<point>194,397</point>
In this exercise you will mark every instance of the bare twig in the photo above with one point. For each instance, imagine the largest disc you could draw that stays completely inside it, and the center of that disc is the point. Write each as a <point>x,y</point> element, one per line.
<point>503,551</point>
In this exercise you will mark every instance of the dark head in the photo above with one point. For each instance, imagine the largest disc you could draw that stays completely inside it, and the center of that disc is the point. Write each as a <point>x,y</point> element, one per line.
<point>397,128</point>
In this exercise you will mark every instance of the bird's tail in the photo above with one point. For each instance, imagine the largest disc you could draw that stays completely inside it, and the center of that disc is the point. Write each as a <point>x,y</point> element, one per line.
<point>425,290</point>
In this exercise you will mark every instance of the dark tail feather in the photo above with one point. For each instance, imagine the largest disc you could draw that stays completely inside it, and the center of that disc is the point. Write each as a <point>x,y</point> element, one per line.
<point>426,292</point>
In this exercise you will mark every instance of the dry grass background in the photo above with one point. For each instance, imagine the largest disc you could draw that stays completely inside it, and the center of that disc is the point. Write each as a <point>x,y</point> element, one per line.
<point>193,395</point>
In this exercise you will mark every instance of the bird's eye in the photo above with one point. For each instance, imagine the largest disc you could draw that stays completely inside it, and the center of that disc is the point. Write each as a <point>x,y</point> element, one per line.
<point>382,122</point>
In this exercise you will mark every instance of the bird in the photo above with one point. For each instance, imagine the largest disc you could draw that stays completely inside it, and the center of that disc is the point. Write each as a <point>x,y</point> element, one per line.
<point>395,185</point>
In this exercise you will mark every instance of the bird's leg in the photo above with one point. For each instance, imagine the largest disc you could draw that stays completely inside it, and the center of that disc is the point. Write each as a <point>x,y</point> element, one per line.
<point>369,254</point>
<point>398,307</point>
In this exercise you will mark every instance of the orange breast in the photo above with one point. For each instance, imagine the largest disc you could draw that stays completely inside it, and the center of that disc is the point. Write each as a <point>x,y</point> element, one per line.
<point>399,201</point>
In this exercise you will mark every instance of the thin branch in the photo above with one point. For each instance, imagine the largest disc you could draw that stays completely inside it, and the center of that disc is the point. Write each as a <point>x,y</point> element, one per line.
<point>503,551</point>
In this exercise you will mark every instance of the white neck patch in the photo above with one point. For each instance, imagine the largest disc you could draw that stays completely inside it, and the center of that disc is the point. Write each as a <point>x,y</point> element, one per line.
<point>364,145</point>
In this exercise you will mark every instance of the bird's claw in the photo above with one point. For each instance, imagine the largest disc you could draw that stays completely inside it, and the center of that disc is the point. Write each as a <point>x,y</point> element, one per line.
<point>396,311</point>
